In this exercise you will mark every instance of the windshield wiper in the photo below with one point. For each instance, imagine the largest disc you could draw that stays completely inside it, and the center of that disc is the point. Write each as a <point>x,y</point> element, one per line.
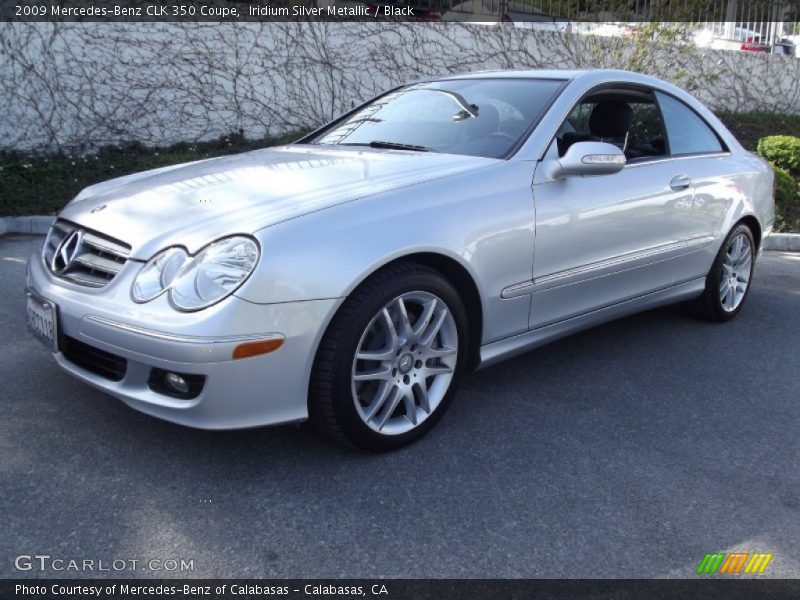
<point>388,145</point>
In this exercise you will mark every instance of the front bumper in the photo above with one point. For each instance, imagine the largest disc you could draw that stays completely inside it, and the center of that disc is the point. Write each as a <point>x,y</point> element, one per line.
<point>261,390</point>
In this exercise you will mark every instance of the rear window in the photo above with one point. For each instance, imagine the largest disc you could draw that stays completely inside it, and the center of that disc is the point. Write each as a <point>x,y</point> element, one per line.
<point>687,132</point>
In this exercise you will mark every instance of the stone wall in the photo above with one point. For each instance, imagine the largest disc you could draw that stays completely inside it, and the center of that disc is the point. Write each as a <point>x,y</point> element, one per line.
<point>74,86</point>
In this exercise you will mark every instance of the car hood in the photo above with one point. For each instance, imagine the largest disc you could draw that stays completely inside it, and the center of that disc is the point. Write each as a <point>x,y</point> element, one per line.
<point>195,203</point>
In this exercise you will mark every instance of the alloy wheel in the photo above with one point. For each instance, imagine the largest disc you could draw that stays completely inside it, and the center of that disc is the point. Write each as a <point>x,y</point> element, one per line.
<point>737,263</point>
<point>404,362</point>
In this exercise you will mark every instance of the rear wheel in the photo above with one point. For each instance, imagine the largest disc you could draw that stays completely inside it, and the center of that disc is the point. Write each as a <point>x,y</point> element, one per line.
<point>728,281</point>
<point>388,366</point>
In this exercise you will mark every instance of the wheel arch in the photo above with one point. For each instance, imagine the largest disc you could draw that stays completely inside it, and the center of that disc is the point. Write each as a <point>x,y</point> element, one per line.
<point>464,283</point>
<point>755,228</point>
<point>460,277</point>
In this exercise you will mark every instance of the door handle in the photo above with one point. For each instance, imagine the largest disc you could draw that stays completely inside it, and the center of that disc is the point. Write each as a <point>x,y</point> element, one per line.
<point>680,182</point>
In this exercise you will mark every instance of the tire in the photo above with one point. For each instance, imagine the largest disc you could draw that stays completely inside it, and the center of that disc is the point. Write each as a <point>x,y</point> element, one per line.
<point>380,391</point>
<point>728,281</point>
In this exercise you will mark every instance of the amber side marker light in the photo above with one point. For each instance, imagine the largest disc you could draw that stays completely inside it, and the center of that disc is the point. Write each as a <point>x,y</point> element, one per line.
<point>256,348</point>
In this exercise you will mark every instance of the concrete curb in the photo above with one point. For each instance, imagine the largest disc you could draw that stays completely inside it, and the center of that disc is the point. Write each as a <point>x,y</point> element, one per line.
<point>785,242</point>
<point>36,224</point>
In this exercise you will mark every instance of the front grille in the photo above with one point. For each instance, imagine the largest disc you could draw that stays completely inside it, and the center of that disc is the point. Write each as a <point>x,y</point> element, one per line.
<point>82,256</point>
<point>93,359</point>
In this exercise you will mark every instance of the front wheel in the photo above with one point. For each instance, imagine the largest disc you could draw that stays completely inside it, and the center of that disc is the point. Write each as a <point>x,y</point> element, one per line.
<point>728,281</point>
<point>388,366</point>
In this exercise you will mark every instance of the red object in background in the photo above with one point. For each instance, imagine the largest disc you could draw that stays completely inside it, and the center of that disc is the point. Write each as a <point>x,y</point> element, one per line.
<point>752,44</point>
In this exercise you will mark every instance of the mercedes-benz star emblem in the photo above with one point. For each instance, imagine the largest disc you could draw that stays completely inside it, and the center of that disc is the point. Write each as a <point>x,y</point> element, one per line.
<point>405,364</point>
<point>66,252</point>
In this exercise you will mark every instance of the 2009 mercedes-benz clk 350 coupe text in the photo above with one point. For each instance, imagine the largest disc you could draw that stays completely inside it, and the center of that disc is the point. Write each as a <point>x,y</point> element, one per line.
<point>352,277</point>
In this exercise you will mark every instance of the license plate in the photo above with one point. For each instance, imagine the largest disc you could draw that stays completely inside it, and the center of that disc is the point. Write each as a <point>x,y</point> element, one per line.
<point>42,321</point>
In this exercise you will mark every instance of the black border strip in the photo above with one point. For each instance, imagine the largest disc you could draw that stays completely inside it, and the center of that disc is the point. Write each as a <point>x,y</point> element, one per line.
<point>524,12</point>
<point>404,589</point>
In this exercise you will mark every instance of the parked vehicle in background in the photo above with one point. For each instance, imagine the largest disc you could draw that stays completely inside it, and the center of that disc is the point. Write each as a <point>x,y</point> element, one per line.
<point>719,36</point>
<point>784,47</point>
<point>352,277</point>
<point>753,43</point>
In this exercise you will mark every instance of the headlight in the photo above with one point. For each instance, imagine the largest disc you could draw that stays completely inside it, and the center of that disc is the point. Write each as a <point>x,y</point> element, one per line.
<point>158,274</point>
<point>198,282</point>
<point>214,273</point>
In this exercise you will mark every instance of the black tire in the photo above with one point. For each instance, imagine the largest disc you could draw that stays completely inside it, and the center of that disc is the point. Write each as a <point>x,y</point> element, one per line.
<point>709,305</point>
<point>332,408</point>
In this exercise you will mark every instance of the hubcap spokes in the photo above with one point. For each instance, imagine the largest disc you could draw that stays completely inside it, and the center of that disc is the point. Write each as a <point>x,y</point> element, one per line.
<point>404,363</point>
<point>737,264</point>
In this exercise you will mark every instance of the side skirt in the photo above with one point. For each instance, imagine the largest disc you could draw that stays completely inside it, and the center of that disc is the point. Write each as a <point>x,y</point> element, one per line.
<point>518,344</point>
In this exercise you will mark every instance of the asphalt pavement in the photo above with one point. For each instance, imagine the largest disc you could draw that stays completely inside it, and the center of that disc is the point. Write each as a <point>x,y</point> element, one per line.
<point>630,450</point>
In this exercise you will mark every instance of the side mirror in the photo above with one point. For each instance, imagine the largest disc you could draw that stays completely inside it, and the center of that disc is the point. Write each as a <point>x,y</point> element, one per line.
<point>587,158</point>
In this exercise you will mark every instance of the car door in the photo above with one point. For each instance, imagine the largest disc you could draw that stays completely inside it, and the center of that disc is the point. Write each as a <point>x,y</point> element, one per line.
<point>601,240</point>
<point>700,156</point>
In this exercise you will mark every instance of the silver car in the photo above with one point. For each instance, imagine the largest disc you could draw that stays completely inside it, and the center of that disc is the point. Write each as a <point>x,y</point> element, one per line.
<point>352,277</point>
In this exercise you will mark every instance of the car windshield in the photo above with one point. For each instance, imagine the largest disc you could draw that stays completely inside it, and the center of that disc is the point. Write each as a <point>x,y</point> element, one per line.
<point>476,117</point>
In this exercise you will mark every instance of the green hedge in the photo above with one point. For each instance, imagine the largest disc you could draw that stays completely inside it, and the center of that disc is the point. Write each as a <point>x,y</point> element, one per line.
<point>787,201</point>
<point>781,150</point>
<point>751,127</point>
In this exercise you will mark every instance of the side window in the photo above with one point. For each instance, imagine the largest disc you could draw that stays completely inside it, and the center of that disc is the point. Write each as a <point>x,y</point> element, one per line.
<point>631,121</point>
<point>687,132</point>
<point>578,119</point>
<point>645,135</point>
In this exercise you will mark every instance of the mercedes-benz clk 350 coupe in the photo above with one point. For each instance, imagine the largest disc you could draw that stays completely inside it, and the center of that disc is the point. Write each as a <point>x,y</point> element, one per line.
<point>352,277</point>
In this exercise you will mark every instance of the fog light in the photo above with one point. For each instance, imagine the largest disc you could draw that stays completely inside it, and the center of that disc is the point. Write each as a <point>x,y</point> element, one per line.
<point>183,386</point>
<point>177,383</point>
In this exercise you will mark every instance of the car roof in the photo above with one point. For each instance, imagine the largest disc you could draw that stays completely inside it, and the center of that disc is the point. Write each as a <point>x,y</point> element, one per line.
<point>517,74</point>
<point>564,75</point>
<point>582,78</point>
